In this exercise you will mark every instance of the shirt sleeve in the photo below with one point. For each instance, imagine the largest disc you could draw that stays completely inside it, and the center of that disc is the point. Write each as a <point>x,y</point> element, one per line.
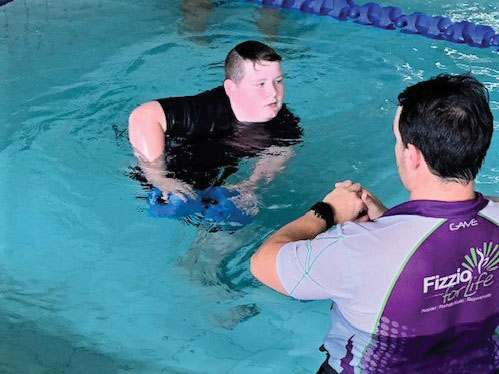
<point>316,269</point>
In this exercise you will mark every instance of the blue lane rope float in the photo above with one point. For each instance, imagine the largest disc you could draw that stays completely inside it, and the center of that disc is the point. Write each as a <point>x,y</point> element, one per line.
<point>213,206</point>
<point>3,2</point>
<point>391,18</point>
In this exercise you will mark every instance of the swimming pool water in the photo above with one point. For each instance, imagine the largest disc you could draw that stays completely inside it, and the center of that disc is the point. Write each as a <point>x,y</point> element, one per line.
<point>89,283</point>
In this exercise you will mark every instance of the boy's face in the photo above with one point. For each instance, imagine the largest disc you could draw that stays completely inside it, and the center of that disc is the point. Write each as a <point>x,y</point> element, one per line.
<point>260,92</point>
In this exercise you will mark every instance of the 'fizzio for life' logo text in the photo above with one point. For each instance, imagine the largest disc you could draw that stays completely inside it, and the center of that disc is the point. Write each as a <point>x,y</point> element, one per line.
<point>476,273</point>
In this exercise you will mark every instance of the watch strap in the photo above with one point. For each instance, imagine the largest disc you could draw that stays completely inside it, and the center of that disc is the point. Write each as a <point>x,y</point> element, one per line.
<point>325,211</point>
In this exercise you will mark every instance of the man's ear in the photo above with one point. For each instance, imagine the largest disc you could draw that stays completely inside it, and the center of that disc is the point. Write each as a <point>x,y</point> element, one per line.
<point>230,87</point>
<point>414,156</point>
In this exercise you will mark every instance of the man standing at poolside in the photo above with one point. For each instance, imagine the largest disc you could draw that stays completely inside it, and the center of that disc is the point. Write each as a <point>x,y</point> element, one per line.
<point>196,141</point>
<point>414,287</point>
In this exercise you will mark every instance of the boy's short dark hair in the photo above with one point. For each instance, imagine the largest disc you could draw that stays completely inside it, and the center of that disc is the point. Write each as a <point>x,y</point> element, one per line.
<point>249,50</point>
<point>448,118</point>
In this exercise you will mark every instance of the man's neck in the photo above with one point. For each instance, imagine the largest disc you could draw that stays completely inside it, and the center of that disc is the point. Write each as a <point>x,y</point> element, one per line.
<point>444,191</point>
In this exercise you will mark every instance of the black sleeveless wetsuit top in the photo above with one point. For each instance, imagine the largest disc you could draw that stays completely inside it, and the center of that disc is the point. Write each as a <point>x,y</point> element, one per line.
<point>204,141</point>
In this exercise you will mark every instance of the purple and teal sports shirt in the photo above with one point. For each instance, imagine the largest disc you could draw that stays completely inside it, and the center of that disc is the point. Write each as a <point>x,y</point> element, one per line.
<point>416,291</point>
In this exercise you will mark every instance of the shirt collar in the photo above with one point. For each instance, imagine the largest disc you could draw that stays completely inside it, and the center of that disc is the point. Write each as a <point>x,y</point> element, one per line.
<point>439,209</point>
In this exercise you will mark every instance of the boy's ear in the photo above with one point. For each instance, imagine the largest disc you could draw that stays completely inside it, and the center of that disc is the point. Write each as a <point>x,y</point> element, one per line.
<point>230,87</point>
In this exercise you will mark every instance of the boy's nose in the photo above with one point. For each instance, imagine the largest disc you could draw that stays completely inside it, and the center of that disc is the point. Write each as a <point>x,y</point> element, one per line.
<point>271,90</point>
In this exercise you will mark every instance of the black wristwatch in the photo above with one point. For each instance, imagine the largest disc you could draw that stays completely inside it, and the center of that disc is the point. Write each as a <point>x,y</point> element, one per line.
<point>325,211</point>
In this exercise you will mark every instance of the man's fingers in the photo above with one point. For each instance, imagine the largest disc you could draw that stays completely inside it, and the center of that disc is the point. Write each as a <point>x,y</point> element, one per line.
<point>356,187</point>
<point>366,198</point>
<point>362,207</point>
<point>362,218</point>
<point>370,204</point>
<point>348,184</point>
<point>345,183</point>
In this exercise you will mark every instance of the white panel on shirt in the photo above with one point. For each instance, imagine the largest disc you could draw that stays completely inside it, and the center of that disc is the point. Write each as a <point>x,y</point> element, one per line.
<point>353,264</point>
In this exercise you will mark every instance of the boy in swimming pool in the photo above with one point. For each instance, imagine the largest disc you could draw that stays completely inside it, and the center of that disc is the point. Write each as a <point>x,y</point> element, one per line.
<point>197,141</point>
<point>414,288</point>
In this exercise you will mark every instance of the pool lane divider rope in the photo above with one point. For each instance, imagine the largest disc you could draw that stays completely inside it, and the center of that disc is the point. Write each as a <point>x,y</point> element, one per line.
<point>391,18</point>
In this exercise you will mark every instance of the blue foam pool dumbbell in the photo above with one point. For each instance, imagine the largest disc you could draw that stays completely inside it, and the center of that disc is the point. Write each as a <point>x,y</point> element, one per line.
<point>212,205</point>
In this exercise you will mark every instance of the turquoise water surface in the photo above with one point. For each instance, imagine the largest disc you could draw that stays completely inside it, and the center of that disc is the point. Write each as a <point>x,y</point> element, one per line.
<point>89,283</point>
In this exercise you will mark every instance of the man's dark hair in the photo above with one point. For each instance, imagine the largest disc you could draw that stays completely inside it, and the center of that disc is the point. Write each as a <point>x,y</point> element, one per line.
<point>249,50</point>
<point>448,118</point>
